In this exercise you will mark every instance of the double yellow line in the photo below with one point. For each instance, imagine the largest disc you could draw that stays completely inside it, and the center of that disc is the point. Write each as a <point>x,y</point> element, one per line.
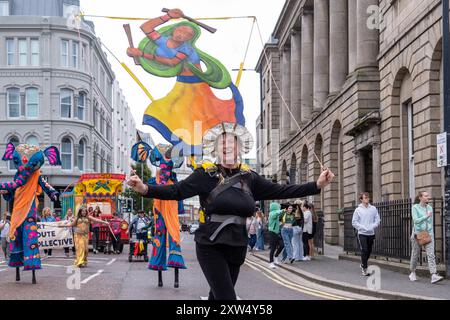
<point>289,284</point>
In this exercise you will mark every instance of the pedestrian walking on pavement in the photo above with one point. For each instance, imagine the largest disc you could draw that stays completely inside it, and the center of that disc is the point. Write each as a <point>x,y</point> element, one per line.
<point>287,232</point>
<point>307,236</point>
<point>252,230</point>
<point>276,242</point>
<point>228,191</point>
<point>4,231</point>
<point>95,228</point>
<point>297,241</point>
<point>261,227</point>
<point>423,235</point>
<point>365,220</point>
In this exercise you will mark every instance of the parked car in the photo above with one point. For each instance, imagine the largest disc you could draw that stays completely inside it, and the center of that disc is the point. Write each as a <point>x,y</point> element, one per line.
<point>193,228</point>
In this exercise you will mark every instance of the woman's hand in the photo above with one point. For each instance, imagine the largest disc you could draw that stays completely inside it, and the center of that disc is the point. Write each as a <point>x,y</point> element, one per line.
<point>175,13</point>
<point>136,184</point>
<point>325,178</point>
<point>4,191</point>
<point>134,52</point>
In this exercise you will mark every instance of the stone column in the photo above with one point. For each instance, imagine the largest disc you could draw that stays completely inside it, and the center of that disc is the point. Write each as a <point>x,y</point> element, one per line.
<point>286,91</point>
<point>307,66</point>
<point>321,54</point>
<point>360,174</point>
<point>295,81</point>
<point>367,36</point>
<point>338,44</point>
<point>352,35</point>
<point>376,168</point>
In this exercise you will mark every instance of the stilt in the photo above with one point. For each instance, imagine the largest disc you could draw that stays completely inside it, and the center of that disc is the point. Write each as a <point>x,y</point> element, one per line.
<point>34,277</point>
<point>160,281</point>
<point>17,274</point>
<point>176,283</point>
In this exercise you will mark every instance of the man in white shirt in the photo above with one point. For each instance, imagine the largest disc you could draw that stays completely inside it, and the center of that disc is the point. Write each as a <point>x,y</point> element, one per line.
<point>4,231</point>
<point>365,219</point>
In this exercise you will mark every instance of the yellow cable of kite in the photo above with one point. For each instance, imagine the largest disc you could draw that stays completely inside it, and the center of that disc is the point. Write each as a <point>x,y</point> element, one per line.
<point>138,18</point>
<point>238,79</point>
<point>137,81</point>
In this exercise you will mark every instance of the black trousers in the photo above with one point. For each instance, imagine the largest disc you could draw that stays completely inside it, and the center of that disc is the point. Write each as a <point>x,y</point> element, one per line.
<point>276,245</point>
<point>305,239</point>
<point>221,264</point>
<point>365,244</point>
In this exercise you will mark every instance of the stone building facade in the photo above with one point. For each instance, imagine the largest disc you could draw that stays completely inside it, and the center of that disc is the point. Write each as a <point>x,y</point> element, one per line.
<point>56,88</point>
<point>362,80</point>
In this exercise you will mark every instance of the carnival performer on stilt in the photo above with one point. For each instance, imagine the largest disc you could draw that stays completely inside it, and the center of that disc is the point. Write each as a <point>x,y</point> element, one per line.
<point>23,190</point>
<point>166,222</point>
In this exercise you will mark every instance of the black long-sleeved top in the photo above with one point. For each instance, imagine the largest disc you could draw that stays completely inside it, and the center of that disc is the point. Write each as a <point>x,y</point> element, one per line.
<point>233,201</point>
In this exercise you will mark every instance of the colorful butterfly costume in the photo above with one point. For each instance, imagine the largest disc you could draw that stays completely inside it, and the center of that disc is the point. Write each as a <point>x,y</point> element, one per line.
<point>24,190</point>
<point>167,226</point>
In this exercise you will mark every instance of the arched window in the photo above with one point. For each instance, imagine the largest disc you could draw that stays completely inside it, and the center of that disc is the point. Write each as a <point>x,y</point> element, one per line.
<point>81,105</point>
<point>32,102</point>
<point>66,97</point>
<point>66,154</point>
<point>81,152</point>
<point>13,97</point>
<point>15,141</point>
<point>33,141</point>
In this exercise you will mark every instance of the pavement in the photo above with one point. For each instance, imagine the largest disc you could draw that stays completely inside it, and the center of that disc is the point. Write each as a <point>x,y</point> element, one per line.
<point>329,271</point>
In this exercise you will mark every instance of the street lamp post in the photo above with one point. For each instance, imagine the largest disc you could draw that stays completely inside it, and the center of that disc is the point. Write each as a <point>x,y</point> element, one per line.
<point>446,77</point>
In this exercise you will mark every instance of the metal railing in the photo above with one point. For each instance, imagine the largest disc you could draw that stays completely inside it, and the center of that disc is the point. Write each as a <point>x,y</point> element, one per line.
<point>393,237</point>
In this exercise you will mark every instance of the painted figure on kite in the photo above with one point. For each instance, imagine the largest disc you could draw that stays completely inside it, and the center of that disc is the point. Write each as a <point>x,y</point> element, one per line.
<point>191,108</point>
<point>166,222</point>
<point>24,190</point>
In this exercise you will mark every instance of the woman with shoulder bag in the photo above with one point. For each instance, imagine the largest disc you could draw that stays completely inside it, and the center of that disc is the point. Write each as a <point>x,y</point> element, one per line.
<point>422,235</point>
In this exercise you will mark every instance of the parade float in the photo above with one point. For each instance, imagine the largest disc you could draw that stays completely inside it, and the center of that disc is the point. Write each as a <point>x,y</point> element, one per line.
<point>102,190</point>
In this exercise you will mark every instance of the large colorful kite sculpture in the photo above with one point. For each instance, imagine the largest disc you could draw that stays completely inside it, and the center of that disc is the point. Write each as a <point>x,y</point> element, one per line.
<point>24,190</point>
<point>190,108</point>
<point>165,212</point>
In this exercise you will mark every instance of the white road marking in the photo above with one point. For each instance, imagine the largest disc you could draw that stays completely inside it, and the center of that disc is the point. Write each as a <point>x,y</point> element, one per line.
<point>99,272</point>
<point>3,269</point>
<point>53,265</point>
<point>111,262</point>
<point>70,298</point>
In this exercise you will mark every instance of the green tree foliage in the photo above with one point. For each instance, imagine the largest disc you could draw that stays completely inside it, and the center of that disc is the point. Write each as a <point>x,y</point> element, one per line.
<point>137,198</point>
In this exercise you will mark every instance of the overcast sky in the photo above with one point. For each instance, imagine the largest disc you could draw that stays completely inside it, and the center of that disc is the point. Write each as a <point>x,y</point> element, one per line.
<point>228,45</point>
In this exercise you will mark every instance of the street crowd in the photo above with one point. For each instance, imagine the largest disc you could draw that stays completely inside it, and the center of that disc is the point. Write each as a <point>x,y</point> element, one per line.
<point>291,232</point>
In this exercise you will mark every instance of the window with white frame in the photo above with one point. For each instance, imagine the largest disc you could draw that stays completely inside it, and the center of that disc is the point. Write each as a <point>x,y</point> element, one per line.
<point>81,105</point>
<point>102,83</point>
<point>75,54</point>
<point>84,65</point>
<point>102,161</point>
<point>15,141</point>
<point>10,51</point>
<point>32,141</point>
<point>13,100</point>
<point>32,102</point>
<point>65,53</point>
<point>66,154</point>
<point>34,52</point>
<point>102,124</point>
<point>4,8</point>
<point>66,97</point>
<point>81,152</point>
<point>23,52</point>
